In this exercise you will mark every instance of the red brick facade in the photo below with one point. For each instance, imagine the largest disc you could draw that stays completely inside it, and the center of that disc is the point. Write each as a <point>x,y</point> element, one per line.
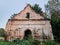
<point>18,25</point>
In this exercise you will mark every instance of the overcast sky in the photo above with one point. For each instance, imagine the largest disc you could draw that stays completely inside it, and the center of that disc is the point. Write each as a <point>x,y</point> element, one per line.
<point>9,7</point>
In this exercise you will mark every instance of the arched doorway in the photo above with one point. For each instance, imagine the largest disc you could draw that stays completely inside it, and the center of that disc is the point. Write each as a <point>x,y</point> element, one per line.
<point>27,34</point>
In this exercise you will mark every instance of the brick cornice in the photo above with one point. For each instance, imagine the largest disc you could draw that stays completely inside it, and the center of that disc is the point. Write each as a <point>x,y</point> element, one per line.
<point>28,19</point>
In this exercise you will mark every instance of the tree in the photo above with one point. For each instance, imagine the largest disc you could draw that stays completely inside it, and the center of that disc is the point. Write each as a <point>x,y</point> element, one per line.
<point>53,6</point>
<point>56,28</point>
<point>37,9</point>
<point>53,9</point>
<point>13,15</point>
<point>2,33</point>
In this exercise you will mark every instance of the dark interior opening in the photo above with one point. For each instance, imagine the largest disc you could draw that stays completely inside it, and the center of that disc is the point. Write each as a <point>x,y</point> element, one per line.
<point>27,15</point>
<point>27,34</point>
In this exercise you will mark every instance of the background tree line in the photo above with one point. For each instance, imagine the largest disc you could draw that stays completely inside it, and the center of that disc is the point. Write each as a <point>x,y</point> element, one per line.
<point>53,9</point>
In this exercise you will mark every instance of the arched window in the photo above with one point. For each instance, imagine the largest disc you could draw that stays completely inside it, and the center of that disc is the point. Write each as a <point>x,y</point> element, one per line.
<point>28,15</point>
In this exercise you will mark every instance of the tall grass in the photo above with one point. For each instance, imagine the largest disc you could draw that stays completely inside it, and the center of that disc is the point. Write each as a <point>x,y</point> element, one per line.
<point>28,42</point>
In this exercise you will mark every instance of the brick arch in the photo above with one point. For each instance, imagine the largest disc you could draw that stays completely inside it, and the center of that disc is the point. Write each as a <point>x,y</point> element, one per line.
<point>27,33</point>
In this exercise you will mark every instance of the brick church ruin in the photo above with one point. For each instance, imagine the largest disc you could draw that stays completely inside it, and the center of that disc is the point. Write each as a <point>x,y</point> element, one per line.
<point>28,22</point>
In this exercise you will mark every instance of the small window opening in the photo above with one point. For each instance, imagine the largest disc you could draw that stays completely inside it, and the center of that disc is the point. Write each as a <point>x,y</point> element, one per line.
<point>28,15</point>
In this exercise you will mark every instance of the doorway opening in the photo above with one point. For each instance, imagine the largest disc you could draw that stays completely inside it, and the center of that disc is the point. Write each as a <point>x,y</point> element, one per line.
<point>27,34</point>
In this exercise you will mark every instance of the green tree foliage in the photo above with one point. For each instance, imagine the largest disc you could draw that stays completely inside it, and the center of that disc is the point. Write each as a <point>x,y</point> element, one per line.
<point>37,9</point>
<point>56,28</point>
<point>2,33</point>
<point>53,7</point>
<point>13,15</point>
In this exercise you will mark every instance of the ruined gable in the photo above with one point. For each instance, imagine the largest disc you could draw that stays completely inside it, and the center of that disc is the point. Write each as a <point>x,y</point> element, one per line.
<point>32,14</point>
